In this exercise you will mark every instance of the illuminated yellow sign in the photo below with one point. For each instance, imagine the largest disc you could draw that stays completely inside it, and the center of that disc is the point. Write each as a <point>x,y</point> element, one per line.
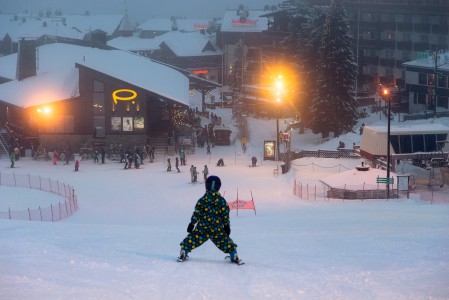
<point>124,95</point>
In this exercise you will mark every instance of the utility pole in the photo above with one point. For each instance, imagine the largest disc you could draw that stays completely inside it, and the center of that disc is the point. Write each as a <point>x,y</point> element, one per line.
<point>435,82</point>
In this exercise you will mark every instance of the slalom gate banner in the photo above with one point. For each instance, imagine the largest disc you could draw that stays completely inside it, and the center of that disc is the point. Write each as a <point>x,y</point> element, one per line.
<point>242,204</point>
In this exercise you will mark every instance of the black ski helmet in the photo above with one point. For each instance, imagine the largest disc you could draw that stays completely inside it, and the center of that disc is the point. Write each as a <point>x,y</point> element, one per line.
<point>213,183</point>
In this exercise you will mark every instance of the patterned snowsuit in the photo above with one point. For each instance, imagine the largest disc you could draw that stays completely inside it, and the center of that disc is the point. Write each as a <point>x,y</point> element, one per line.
<point>210,215</point>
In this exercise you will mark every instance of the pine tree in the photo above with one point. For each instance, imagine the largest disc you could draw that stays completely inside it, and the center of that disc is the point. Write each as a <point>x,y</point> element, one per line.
<point>308,29</point>
<point>235,79</point>
<point>334,108</point>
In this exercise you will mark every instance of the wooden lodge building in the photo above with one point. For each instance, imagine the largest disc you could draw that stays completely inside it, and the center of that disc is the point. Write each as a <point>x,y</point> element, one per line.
<point>70,96</point>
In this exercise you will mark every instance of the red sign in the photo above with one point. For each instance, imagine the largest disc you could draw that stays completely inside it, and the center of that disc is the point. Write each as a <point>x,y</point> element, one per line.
<point>196,72</point>
<point>242,204</point>
<point>244,22</point>
<point>200,26</point>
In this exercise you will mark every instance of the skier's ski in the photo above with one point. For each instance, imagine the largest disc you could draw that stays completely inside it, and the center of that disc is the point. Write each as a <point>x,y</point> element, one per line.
<point>239,263</point>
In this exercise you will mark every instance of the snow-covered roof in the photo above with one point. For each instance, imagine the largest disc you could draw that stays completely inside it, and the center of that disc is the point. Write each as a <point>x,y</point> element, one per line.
<point>232,22</point>
<point>410,129</point>
<point>427,62</point>
<point>189,44</point>
<point>135,43</point>
<point>181,43</point>
<point>69,26</point>
<point>57,76</point>
<point>355,178</point>
<point>140,71</point>
<point>165,24</point>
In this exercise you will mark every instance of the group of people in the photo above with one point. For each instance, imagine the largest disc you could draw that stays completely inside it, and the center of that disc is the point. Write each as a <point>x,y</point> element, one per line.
<point>194,173</point>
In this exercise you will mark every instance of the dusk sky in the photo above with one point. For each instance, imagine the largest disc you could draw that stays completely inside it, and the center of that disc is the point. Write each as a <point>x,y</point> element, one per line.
<point>138,10</point>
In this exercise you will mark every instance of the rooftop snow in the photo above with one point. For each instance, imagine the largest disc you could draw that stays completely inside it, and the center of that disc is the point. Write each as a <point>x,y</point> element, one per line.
<point>57,76</point>
<point>411,129</point>
<point>70,26</point>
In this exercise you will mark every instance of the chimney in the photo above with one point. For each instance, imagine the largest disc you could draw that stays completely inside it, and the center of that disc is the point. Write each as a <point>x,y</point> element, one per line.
<point>26,59</point>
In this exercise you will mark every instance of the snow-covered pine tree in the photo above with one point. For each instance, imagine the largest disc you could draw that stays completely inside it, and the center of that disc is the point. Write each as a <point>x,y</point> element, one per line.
<point>334,108</point>
<point>307,26</point>
<point>235,78</point>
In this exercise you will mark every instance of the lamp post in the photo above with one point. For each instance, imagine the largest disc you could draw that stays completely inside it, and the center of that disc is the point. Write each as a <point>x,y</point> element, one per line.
<point>386,94</point>
<point>279,87</point>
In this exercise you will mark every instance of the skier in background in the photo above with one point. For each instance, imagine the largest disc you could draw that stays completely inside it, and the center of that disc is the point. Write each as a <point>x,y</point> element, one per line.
<point>211,217</point>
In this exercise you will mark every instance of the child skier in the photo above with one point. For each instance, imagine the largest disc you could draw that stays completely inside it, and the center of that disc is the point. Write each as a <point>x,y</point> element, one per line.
<point>211,217</point>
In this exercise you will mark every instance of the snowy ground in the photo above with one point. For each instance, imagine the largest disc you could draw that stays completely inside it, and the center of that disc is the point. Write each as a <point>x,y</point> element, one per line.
<point>124,240</point>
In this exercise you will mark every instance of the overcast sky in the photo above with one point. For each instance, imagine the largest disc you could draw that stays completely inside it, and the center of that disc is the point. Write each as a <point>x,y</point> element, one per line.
<point>138,10</point>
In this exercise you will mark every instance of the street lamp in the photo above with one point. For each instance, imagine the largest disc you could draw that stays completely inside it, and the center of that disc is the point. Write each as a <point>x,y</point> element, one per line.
<point>279,89</point>
<point>386,94</point>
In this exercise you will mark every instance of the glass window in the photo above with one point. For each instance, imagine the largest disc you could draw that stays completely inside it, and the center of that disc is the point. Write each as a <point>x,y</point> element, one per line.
<point>418,143</point>
<point>406,55</point>
<point>98,86</point>
<point>98,103</point>
<point>406,37</point>
<point>422,78</point>
<point>422,98</point>
<point>406,143</point>
<point>389,72</point>
<point>443,102</point>
<point>99,126</point>
<point>442,81</point>
<point>394,141</point>
<point>430,140</point>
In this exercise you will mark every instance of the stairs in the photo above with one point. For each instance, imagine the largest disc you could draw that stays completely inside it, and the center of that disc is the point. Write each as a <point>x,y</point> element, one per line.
<point>159,142</point>
<point>4,146</point>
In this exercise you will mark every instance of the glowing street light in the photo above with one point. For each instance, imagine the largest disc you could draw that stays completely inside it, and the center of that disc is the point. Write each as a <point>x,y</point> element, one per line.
<point>386,94</point>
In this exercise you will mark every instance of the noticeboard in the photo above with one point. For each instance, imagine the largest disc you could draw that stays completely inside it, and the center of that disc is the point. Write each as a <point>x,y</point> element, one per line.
<point>269,150</point>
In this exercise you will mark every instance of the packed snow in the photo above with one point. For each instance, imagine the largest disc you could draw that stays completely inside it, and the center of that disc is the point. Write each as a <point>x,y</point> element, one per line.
<point>124,240</point>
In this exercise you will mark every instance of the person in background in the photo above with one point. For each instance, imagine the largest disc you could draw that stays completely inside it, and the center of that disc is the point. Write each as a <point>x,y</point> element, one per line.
<point>12,158</point>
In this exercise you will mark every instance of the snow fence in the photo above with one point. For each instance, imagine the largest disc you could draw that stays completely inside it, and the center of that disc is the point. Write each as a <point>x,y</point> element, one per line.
<point>54,213</point>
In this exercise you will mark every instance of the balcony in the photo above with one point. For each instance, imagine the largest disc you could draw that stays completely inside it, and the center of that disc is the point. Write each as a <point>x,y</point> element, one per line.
<point>387,62</point>
<point>421,46</point>
<point>422,28</point>
<point>370,60</point>
<point>405,45</point>
<point>387,25</point>
<point>440,29</point>
<point>405,27</point>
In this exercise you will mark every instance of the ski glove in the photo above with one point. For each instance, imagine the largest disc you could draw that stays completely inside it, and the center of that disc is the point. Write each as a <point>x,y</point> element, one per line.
<point>227,229</point>
<point>190,227</point>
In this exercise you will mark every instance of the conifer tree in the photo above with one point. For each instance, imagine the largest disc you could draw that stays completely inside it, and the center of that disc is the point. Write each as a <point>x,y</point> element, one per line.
<point>235,80</point>
<point>334,108</point>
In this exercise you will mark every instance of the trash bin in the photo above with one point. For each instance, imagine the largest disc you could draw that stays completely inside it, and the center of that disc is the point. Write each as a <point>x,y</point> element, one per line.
<point>284,168</point>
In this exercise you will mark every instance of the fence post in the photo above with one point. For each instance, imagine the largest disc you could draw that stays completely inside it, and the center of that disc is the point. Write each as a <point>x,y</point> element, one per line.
<point>315,192</point>
<point>9,212</point>
<point>57,183</point>
<point>40,212</point>
<point>14,174</point>
<point>66,211</point>
<point>294,186</point>
<point>40,183</point>
<point>29,214</point>
<point>363,191</point>
<point>29,180</point>
<point>51,206</point>
<point>307,187</point>
<point>59,205</point>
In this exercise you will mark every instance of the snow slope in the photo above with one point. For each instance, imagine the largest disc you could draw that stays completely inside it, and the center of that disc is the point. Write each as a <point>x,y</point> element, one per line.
<point>124,240</point>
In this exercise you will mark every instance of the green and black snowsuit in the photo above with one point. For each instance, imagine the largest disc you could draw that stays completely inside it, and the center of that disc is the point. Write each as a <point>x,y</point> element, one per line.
<point>210,216</point>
